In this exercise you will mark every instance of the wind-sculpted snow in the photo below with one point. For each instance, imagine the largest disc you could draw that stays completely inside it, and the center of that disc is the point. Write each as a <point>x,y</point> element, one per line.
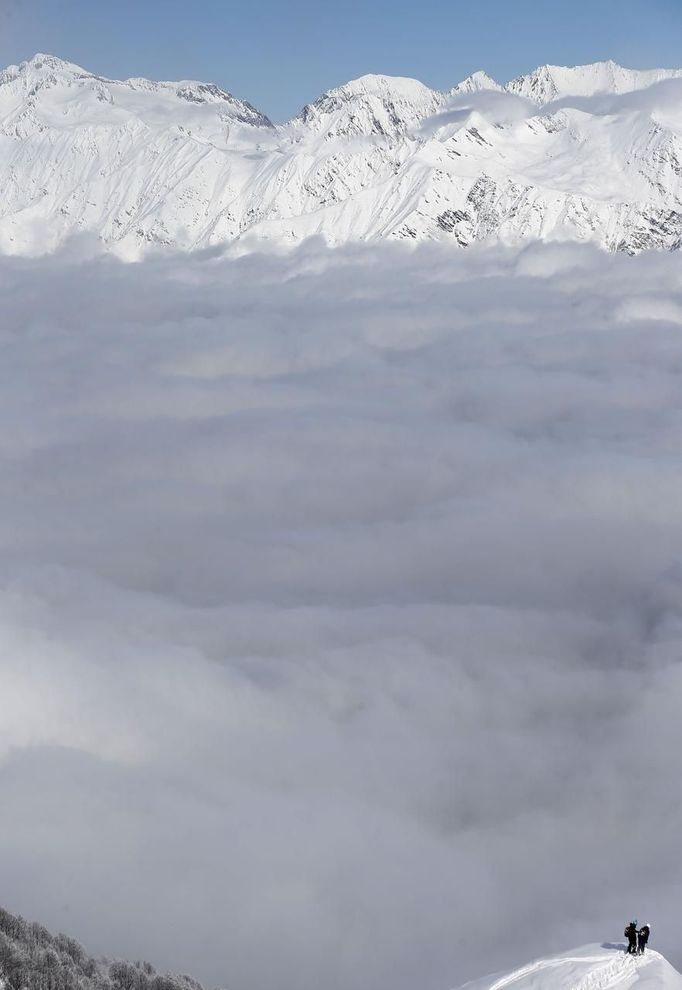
<point>341,607</point>
<point>590,153</point>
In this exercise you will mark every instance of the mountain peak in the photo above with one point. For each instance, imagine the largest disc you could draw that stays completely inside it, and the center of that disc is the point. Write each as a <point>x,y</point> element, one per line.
<point>474,83</point>
<point>371,104</point>
<point>377,83</point>
<point>42,66</point>
<point>42,62</point>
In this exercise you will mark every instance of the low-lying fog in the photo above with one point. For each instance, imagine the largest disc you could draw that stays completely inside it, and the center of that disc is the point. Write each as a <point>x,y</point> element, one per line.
<point>341,608</point>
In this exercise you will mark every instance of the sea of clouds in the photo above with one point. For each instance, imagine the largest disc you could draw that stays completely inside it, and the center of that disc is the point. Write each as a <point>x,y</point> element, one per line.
<point>341,608</point>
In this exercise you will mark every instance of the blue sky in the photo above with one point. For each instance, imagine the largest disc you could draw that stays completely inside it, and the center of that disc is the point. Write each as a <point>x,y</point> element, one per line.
<point>280,55</point>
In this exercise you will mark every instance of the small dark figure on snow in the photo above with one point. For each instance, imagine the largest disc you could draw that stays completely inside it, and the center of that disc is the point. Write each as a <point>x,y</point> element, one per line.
<point>643,938</point>
<point>631,935</point>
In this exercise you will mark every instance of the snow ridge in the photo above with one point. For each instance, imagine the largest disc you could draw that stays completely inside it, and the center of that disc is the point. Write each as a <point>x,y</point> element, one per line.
<point>585,153</point>
<point>48,71</point>
<point>592,967</point>
<point>553,82</point>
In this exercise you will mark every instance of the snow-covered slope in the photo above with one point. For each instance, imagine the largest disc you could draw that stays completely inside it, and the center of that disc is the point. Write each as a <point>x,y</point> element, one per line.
<point>593,967</point>
<point>589,153</point>
<point>132,161</point>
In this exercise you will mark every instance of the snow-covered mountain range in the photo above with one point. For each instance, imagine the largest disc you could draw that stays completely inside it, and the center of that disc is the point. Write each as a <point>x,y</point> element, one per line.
<point>593,967</point>
<point>588,153</point>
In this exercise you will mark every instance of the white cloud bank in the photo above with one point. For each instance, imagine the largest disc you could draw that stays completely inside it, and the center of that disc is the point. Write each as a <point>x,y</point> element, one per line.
<point>341,608</point>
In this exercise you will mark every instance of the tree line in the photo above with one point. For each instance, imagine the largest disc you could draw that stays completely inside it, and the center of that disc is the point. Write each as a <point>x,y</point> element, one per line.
<point>33,959</point>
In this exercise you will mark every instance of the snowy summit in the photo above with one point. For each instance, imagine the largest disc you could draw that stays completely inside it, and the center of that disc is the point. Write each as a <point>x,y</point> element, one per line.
<point>585,153</point>
<point>592,967</point>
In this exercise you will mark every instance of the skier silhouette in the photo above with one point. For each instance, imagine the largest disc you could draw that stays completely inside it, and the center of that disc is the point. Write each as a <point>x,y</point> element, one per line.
<point>631,935</point>
<point>643,938</point>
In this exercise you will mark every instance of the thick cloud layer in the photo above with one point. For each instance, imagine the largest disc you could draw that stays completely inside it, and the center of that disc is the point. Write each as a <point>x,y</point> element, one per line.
<point>341,608</point>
